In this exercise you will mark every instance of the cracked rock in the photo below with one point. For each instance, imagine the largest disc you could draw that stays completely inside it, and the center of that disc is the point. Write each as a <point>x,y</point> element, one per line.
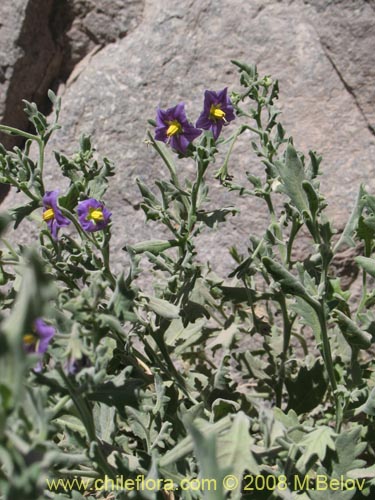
<point>81,25</point>
<point>347,33</point>
<point>183,47</point>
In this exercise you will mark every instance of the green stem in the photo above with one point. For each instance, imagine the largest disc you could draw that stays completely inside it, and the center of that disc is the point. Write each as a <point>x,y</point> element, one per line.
<point>41,164</point>
<point>15,131</point>
<point>192,214</point>
<point>287,329</point>
<point>169,164</point>
<point>364,281</point>
<point>279,234</point>
<point>60,405</point>
<point>296,225</point>
<point>363,294</point>
<point>222,173</point>
<point>80,473</point>
<point>327,357</point>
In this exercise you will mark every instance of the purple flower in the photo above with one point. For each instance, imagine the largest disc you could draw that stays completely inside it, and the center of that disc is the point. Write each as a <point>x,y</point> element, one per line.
<point>92,214</point>
<point>217,111</point>
<point>38,340</point>
<point>75,365</point>
<point>52,214</point>
<point>173,128</point>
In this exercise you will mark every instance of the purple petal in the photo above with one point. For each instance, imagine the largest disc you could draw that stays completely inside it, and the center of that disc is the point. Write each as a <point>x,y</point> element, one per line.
<point>179,143</point>
<point>191,133</point>
<point>216,128</point>
<point>203,121</point>
<point>161,133</point>
<point>45,333</point>
<point>50,201</point>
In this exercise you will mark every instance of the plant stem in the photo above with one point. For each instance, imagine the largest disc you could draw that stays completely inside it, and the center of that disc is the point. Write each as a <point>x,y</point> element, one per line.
<point>327,357</point>
<point>192,214</point>
<point>287,328</point>
<point>41,164</point>
<point>15,131</point>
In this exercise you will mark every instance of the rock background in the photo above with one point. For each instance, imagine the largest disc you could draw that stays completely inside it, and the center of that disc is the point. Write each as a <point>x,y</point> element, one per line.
<point>114,62</point>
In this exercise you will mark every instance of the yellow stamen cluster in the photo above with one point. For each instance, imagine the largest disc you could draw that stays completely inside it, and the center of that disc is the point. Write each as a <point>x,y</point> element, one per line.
<point>174,128</point>
<point>29,339</point>
<point>96,215</point>
<point>48,214</point>
<point>216,112</point>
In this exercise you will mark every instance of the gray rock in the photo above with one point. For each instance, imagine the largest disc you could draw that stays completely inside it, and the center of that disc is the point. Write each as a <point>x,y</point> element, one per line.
<point>41,41</point>
<point>27,57</point>
<point>347,34</point>
<point>28,60</point>
<point>179,49</point>
<point>81,25</point>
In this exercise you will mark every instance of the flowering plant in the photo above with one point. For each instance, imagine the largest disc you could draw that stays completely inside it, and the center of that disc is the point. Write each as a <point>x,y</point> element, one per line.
<point>266,373</point>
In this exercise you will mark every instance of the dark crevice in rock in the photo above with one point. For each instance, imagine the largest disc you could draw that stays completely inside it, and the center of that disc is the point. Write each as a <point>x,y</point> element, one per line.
<point>371,3</point>
<point>35,67</point>
<point>33,63</point>
<point>348,88</point>
<point>54,37</point>
<point>78,26</point>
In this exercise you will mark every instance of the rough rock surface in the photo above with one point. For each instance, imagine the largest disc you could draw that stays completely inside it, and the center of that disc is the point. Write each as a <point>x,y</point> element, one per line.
<point>347,34</point>
<point>322,55</point>
<point>27,60</point>
<point>41,41</point>
<point>27,57</point>
<point>82,25</point>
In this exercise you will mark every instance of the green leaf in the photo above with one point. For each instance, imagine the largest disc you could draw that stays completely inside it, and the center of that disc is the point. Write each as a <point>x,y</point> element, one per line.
<point>104,418</point>
<point>368,264</point>
<point>222,453</point>
<point>19,213</point>
<point>288,282</point>
<point>205,447</point>
<point>257,366</point>
<point>351,226</point>
<point>313,167</point>
<point>351,331</point>
<point>163,308</point>
<point>211,219</point>
<point>148,195</point>
<point>369,406</point>
<point>289,420</point>
<point>348,448</point>
<point>367,472</point>
<point>181,337</point>
<point>69,201</point>
<point>153,246</point>
<point>185,446</point>
<point>234,450</point>
<point>122,301</point>
<point>309,316</point>
<point>316,444</point>
<point>292,175</point>
<point>312,197</point>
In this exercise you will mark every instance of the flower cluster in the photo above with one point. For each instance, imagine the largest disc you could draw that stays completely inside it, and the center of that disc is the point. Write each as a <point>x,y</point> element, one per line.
<point>173,127</point>
<point>92,214</point>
